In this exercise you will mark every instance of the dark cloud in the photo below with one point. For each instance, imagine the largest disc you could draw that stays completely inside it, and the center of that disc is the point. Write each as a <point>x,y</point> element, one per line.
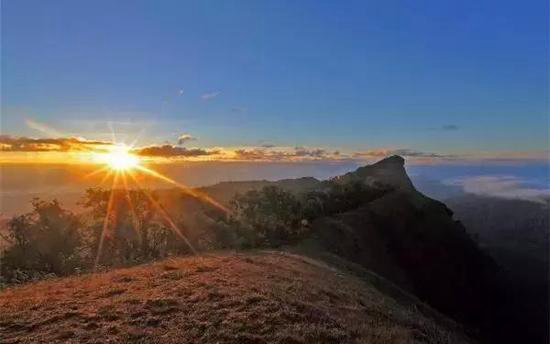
<point>169,151</point>
<point>62,144</point>
<point>315,153</point>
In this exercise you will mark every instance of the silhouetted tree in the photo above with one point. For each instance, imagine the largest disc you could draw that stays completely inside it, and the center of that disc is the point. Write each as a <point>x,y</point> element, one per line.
<point>132,227</point>
<point>45,241</point>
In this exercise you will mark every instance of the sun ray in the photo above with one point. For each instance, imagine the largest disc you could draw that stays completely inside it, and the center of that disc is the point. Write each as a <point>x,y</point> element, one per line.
<point>112,128</point>
<point>104,179</point>
<point>184,188</point>
<point>165,215</point>
<point>134,142</point>
<point>98,171</point>
<point>110,205</point>
<point>135,221</point>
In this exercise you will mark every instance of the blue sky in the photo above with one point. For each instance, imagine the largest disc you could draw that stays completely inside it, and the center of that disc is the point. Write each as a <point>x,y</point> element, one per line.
<point>432,76</point>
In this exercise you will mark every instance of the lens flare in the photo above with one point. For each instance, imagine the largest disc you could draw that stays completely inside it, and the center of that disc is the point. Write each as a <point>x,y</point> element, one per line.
<point>119,158</point>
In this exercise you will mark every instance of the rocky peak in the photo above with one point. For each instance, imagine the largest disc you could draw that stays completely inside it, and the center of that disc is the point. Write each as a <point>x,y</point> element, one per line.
<point>389,171</point>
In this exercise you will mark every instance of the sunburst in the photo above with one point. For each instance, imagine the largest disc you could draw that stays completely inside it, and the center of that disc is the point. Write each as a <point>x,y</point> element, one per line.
<point>119,158</point>
<point>118,162</point>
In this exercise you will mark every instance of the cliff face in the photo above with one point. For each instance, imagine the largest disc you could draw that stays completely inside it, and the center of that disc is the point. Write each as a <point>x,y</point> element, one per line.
<point>389,171</point>
<point>414,241</point>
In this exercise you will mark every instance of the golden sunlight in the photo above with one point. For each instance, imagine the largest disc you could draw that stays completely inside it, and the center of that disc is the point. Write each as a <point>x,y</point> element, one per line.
<point>119,158</point>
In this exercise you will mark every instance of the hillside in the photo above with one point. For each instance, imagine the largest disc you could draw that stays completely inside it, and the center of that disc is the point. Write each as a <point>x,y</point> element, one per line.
<point>265,297</point>
<point>223,192</point>
<point>515,233</point>
<point>415,242</point>
<point>410,239</point>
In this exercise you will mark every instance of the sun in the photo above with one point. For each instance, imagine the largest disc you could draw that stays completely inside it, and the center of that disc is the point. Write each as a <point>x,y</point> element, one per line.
<point>119,158</point>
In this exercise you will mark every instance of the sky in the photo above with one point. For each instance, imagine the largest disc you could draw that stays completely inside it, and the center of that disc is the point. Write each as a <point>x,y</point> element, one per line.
<point>309,79</point>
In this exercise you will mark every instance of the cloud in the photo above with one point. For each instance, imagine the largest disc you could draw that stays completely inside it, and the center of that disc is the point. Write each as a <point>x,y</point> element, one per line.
<point>169,151</point>
<point>185,138</point>
<point>316,153</point>
<point>210,95</point>
<point>509,187</point>
<point>62,144</point>
<point>266,144</point>
<point>410,153</point>
<point>281,154</point>
<point>450,127</point>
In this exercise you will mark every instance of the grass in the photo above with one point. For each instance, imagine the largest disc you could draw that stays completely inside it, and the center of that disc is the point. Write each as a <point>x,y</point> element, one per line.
<point>263,297</point>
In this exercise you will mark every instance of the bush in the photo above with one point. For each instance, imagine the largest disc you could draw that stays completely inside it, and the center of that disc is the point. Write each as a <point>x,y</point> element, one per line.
<point>136,230</point>
<point>270,216</point>
<point>46,241</point>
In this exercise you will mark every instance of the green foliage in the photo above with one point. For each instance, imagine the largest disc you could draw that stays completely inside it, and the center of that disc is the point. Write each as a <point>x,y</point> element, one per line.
<point>339,196</point>
<point>45,241</point>
<point>270,217</point>
<point>51,241</point>
<point>131,227</point>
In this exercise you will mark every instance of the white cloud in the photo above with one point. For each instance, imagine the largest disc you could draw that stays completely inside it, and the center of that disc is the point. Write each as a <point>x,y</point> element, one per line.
<point>210,95</point>
<point>509,187</point>
<point>183,138</point>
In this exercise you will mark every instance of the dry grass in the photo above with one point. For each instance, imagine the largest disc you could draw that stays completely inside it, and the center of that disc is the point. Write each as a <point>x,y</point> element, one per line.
<point>265,297</point>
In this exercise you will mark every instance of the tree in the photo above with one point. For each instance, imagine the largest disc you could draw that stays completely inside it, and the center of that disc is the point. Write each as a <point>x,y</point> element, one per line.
<point>269,216</point>
<point>45,241</point>
<point>129,226</point>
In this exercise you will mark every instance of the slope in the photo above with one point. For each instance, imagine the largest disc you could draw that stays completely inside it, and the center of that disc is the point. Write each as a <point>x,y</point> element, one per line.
<point>264,297</point>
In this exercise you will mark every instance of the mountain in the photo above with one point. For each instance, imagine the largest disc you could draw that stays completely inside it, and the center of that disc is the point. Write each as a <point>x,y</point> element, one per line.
<point>413,241</point>
<point>516,234</point>
<point>263,297</point>
<point>404,236</point>
<point>389,171</point>
<point>225,191</point>
<point>507,225</point>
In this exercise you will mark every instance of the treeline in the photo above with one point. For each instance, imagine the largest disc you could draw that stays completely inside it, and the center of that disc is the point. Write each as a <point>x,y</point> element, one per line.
<point>271,217</point>
<point>53,241</point>
<point>128,227</point>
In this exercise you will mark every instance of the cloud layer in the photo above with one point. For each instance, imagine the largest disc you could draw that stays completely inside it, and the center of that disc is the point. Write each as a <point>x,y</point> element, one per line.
<point>380,153</point>
<point>509,187</point>
<point>63,144</point>
<point>169,151</point>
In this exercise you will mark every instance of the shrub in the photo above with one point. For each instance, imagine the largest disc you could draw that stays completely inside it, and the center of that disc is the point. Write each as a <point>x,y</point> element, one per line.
<point>136,229</point>
<point>270,216</point>
<point>43,242</point>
